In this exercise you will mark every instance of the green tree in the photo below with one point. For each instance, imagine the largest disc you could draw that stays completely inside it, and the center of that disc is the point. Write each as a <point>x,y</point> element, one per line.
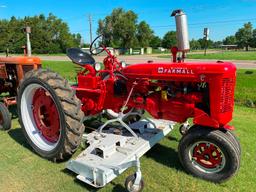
<point>169,39</point>
<point>11,35</point>
<point>49,34</point>
<point>78,39</point>
<point>144,34</point>
<point>230,40</point>
<point>15,35</point>
<point>253,42</point>
<point>209,43</point>
<point>244,36</point>
<point>217,44</point>
<point>195,45</point>
<point>119,28</point>
<point>155,42</point>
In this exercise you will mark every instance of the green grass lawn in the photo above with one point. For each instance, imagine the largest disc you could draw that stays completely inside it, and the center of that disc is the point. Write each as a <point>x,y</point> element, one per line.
<point>245,86</point>
<point>224,55</point>
<point>65,68</point>
<point>22,170</point>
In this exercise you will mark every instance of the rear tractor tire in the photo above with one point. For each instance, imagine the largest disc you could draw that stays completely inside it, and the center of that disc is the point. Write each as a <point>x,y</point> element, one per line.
<point>50,115</point>
<point>5,118</point>
<point>209,154</point>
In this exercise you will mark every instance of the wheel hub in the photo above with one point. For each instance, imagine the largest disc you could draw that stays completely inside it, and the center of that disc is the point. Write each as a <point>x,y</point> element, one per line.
<point>46,115</point>
<point>208,156</point>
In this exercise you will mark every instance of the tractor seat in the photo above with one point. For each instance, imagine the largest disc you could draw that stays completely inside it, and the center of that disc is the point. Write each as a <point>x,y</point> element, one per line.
<point>80,57</point>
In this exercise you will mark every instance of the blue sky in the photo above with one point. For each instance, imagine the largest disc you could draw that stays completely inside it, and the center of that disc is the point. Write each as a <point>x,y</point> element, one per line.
<point>222,17</point>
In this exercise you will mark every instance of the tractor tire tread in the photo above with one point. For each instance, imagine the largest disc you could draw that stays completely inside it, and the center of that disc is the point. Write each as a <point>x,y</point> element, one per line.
<point>71,106</point>
<point>7,120</point>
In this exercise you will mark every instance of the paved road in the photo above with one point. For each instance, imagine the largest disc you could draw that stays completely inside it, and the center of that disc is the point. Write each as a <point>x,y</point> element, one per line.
<point>144,58</point>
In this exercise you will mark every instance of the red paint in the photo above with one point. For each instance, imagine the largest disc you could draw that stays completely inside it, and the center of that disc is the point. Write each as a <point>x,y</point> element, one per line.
<point>46,116</point>
<point>172,91</point>
<point>207,156</point>
<point>174,51</point>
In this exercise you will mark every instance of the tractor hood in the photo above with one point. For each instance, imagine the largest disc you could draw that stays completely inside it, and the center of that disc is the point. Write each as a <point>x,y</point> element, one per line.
<point>20,60</point>
<point>179,70</point>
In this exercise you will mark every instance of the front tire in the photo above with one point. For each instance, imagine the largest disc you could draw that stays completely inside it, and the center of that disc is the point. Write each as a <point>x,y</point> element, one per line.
<point>209,154</point>
<point>5,118</point>
<point>234,139</point>
<point>50,115</point>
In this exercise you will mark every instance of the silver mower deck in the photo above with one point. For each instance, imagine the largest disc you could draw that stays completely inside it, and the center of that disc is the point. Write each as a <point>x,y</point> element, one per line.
<point>113,151</point>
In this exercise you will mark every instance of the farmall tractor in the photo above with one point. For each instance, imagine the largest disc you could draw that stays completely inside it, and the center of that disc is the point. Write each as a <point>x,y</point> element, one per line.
<point>52,114</point>
<point>12,71</point>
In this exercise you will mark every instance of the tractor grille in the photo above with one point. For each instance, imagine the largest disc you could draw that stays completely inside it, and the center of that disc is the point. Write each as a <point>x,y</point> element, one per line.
<point>227,95</point>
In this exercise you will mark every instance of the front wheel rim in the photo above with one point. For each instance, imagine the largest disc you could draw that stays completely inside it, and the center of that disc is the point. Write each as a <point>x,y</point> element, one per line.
<point>36,101</point>
<point>207,157</point>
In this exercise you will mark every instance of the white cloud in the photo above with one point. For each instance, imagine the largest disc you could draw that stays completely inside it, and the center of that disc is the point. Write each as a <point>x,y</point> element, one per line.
<point>3,6</point>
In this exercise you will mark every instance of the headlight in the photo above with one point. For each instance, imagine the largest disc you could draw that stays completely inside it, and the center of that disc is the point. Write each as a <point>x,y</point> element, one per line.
<point>123,64</point>
<point>97,66</point>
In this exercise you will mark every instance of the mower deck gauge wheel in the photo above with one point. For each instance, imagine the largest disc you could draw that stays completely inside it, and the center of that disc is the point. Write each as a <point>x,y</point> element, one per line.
<point>129,184</point>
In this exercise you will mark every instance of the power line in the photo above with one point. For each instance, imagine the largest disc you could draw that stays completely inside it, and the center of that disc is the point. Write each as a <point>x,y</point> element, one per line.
<point>209,22</point>
<point>193,25</point>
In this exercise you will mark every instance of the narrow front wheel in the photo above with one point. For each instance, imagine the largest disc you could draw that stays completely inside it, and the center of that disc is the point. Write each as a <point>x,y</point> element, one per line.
<point>209,154</point>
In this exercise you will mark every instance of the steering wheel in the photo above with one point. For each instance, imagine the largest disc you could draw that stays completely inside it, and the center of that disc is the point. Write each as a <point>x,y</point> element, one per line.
<point>97,49</point>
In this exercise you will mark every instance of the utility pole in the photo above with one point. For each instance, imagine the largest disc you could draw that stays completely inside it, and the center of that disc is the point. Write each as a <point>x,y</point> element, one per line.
<point>206,38</point>
<point>90,25</point>
<point>28,31</point>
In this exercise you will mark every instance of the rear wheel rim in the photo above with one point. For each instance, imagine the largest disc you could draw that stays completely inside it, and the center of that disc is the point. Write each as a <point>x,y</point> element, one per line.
<point>207,157</point>
<point>40,117</point>
<point>45,113</point>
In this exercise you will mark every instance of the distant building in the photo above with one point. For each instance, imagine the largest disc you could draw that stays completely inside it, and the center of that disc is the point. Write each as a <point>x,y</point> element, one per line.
<point>229,47</point>
<point>161,49</point>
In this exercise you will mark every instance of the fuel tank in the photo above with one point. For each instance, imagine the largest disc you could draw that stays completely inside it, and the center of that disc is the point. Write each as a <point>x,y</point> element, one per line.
<point>179,71</point>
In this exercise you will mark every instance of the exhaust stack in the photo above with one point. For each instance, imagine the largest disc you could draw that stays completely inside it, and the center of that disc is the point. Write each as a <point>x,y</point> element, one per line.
<point>181,30</point>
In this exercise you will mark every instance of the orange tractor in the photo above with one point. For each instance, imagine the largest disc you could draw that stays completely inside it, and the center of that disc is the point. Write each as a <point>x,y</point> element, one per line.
<point>12,71</point>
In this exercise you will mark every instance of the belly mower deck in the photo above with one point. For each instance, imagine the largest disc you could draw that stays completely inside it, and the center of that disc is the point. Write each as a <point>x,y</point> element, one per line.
<point>113,151</point>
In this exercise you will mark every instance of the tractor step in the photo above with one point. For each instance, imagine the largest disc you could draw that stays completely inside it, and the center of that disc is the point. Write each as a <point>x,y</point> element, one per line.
<point>113,151</point>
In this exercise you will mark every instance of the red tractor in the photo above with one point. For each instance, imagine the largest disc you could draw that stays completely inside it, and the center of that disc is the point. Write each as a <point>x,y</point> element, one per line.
<point>52,112</point>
